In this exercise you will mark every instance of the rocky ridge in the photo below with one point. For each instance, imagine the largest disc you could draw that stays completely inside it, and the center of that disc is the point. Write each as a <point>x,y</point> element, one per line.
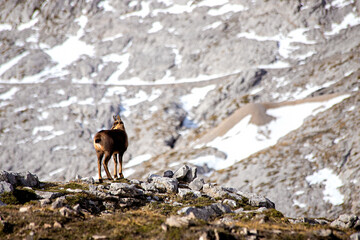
<point>170,204</point>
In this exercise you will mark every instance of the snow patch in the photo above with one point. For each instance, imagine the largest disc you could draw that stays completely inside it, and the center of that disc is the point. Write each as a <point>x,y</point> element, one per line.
<point>138,160</point>
<point>246,138</point>
<point>349,20</point>
<point>156,27</point>
<point>197,94</point>
<point>9,94</point>
<point>331,181</point>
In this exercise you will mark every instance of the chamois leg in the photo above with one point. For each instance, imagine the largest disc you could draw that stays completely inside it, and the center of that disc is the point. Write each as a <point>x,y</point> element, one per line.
<point>115,165</point>
<point>120,165</point>
<point>99,156</point>
<point>105,163</point>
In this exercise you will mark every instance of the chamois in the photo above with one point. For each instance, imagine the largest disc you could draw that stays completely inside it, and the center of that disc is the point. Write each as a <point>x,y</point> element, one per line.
<point>109,143</point>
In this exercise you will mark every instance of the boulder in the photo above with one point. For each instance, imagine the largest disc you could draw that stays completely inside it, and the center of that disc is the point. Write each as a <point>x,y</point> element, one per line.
<point>5,187</point>
<point>125,190</point>
<point>181,173</point>
<point>257,200</point>
<point>26,179</point>
<point>168,174</point>
<point>197,184</point>
<point>165,184</point>
<point>345,221</point>
<point>205,213</point>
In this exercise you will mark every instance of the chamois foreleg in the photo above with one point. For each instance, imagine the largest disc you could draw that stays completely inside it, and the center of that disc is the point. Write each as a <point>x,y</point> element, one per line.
<point>115,165</point>
<point>99,156</point>
<point>105,163</point>
<point>120,165</point>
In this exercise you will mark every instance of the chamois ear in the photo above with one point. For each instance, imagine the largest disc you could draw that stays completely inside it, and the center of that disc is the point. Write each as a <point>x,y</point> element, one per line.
<point>118,117</point>
<point>114,117</point>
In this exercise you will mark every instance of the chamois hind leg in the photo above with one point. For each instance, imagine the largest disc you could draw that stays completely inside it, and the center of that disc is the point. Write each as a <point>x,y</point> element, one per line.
<point>99,156</point>
<point>105,163</point>
<point>115,165</point>
<point>120,165</point>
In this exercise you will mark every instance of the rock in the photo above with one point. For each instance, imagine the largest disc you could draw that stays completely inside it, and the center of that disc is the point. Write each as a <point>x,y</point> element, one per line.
<point>47,226</point>
<point>151,177</point>
<point>100,237</point>
<point>25,209</point>
<point>168,174</point>
<point>323,232</point>
<point>204,213</point>
<point>19,179</point>
<point>257,200</point>
<point>197,184</point>
<point>355,236</point>
<point>44,202</point>
<point>57,224</point>
<point>5,187</point>
<point>182,192</point>
<point>181,173</point>
<point>230,202</point>
<point>58,203</point>
<point>125,190</point>
<point>180,221</point>
<point>162,184</point>
<point>345,221</point>
<point>49,195</point>
<point>67,212</point>
<point>191,175</point>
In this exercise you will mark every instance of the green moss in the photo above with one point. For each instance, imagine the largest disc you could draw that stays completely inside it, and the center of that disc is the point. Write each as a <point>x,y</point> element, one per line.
<point>18,196</point>
<point>73,185</point>
<point>174,233</point>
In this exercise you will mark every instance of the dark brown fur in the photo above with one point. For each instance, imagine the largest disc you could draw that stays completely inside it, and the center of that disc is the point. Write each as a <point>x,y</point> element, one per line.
<point>109,143</point>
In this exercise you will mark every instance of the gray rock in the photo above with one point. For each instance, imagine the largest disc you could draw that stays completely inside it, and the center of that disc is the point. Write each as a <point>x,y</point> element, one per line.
<point>168,173</point>
<point>257,200</point>
<point>19,179</point>
<point>345,221</point>
<point>355,236</point>
<point>151,177</point>
<point>68,212</point>
<point>205,213</point>
<point>125,190</point>
<point>181,173</point>
<point>48,195</point>
<point>197,184</point>
<point>180,221</point>
<point>191,175</point>
<point>230,202</point>
<point>58,203</point>
<point>44,202</point>
<point>164,184</point>
<point>5,187</point>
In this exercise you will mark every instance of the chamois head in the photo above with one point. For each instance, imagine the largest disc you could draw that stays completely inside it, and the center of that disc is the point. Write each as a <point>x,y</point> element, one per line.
<point>118,123</point>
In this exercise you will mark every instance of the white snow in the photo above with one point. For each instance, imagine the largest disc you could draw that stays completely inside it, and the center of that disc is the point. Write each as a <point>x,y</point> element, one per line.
<point>285,42</point>
<point>58,148</point>
<point>112,38</point>
<point>6,66</point>
<point>331,181</point>
<point>59,170</point>
<point>212,26</point>
<point>111,91</point>
<point>226,9</point>
<point>9,94</point>
<point>64,103</point>
<point>124,63</point>
<point>349,20</point>
<point>143,12</point>
<point>299,204</point>
<point>29,24</point>
<point>156,27</point>
<point>339,3</point>
<point>5,27</point>
<point>197,94</point>
<point>246,138</point>
<point>137,160</point>
<point>106,5</point>
<point>154,95</point>
<point>87,101</point>
<point>46,128</point>
<point>51,136</point>
<point>310,157</point>
<point>211,161</point>
<point>70,50</point>
<point>212,3</point>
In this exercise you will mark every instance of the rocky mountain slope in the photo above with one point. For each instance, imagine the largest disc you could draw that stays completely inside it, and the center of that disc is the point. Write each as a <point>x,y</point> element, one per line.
<point>177,205</point>
<point>227,86</point>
